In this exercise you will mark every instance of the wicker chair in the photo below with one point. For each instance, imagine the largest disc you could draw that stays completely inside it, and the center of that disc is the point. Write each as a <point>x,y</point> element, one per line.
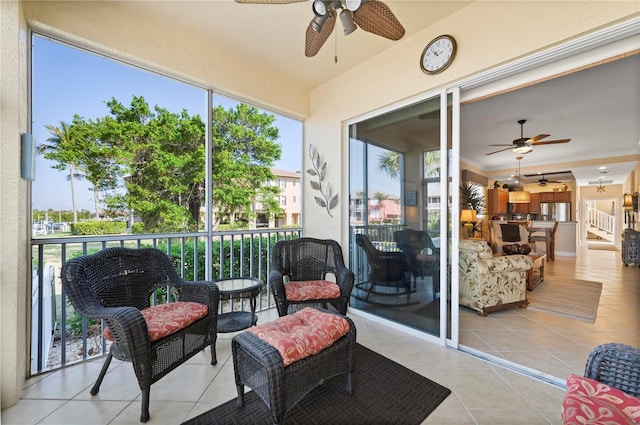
<point>422,254</point>
<point>307,260</point>
<point>115,285</point>
<point>616,365</point>
<point>389,272</point>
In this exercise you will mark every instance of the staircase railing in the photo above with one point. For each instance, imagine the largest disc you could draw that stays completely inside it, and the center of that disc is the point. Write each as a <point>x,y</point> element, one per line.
<point>600,219</point>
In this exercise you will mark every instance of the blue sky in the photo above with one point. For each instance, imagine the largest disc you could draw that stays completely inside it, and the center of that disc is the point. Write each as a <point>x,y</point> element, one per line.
<point>68,81</point>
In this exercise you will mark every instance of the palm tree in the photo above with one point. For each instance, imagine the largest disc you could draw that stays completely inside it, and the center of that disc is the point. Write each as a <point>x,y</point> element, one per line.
<point>389,161</point>
<point>60,148</point>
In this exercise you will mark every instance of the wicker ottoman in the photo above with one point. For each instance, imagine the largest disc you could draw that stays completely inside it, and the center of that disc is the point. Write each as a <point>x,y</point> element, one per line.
<point>259,366</point>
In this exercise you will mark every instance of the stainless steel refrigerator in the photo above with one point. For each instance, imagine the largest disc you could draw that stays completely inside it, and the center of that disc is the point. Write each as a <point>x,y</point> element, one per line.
<point>555,211</point>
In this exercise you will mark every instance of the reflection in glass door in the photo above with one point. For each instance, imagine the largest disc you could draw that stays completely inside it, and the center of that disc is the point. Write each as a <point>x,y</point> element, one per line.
<point>395,215</point>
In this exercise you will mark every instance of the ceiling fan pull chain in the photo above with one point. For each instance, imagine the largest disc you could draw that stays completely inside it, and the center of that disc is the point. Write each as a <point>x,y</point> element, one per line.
<point>335,47</point>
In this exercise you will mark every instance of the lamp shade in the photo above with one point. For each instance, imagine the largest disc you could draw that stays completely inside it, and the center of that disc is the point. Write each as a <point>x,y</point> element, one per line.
<point>628,202</point>
<point>469,216</point>
<point>519,197</point>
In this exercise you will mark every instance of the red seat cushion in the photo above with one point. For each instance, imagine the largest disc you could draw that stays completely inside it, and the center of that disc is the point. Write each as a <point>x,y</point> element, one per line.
<point>305,290</point>
<point>165,319</point>
<point>591,402</point>
<point>301,334</point>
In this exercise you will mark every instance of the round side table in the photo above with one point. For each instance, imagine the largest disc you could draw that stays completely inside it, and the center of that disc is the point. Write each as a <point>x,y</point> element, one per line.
<point>237,288</point>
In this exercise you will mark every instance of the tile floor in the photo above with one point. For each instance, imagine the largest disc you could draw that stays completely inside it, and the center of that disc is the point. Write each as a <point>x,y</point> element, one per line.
<point>554,345</point>
<point>482,392</point>
<point>63,397</point>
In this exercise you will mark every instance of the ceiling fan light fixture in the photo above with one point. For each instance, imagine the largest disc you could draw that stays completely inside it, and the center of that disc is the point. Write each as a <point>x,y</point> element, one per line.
<point>318,22</point>
<point>523,149</point>
<point>346,17</point>
<point>352,5</point>
<point>319,8</point>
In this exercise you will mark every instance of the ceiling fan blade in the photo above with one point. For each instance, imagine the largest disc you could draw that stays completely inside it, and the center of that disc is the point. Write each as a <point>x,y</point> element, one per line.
<point>268,1</point>
<point>551,142</point>
<point>538,137</point>
<point>314,39</point>
<point>505,144</point>
<point>501,150</point>
<point>375,17</point>
<point>546,174</point>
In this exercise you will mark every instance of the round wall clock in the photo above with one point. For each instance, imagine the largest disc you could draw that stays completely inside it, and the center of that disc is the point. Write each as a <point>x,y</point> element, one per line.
<point>438,54</point>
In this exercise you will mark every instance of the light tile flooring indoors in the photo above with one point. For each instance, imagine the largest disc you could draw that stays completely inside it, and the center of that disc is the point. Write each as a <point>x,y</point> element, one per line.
<point>482,392</point>
<point>556,345</point>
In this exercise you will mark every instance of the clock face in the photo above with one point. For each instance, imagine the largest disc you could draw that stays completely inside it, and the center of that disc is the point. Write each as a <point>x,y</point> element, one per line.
<point>438,54</point>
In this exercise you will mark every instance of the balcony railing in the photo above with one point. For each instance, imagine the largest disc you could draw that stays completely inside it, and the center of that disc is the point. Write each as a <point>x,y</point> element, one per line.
<point>60,337</point>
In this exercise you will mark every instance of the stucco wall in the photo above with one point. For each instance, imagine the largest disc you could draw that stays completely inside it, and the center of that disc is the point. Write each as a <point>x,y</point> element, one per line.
<point>14,228</point>
<point>488,33</point>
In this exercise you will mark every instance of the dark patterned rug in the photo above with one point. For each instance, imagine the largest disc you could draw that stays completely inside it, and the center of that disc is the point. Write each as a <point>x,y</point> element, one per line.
<point>385,392</point>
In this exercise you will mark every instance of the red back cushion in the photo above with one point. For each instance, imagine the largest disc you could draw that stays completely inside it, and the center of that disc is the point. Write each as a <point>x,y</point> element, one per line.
<point>165,319</point>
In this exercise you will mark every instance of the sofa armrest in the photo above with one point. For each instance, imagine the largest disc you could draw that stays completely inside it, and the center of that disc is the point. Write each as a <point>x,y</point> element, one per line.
<point>504,263</point>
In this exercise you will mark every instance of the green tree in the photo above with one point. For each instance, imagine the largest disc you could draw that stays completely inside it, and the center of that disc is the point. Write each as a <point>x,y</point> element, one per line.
<point>63,147</point>
<point>155,159</point>
<point>244,147</point>
<point>152,162</point>
<point>389,161</point>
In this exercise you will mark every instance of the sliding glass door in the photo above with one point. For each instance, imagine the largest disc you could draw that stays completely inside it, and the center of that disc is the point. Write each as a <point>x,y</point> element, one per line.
<point>400,198</point>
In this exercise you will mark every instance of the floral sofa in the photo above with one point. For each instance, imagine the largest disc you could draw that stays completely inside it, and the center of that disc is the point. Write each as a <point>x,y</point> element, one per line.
<point>489,283</point>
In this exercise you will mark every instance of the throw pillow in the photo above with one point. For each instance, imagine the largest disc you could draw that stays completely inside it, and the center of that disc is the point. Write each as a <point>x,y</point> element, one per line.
<point>515,248</point>
<point>510,232</point>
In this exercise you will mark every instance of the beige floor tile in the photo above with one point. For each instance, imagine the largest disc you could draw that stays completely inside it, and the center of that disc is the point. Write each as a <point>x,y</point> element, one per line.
<point>222,389</point>
<point>28,412</point>
<point>93,412</point>
<point>164,413</point>
<point>172,387</point>
<point>507,417</point>
<point>65,383</point>
<point>539,395</point>
<point>120,383</point>
<point>542,361</point>
<point>479,388</point>
<point>442,416</point>
<point>200,408</point>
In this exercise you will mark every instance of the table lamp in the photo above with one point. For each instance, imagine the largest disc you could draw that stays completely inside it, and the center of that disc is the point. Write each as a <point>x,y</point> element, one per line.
<point>469,218</point>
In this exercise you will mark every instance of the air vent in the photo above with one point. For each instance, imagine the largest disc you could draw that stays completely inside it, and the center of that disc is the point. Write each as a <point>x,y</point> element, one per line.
<point>599,182</point>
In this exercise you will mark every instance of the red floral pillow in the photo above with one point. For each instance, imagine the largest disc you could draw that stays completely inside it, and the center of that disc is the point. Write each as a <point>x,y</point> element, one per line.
<point>311,290</point>
<point>591,402</point>
<point>301,334</point>
<point>165,319</point>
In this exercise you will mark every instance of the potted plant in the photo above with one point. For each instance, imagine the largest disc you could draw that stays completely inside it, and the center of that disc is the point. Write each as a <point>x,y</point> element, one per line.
<point>471,199</point>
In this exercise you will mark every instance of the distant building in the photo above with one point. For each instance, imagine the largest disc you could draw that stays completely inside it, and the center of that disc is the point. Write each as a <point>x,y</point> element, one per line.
<point>380,211</point>
<point>289,199</point>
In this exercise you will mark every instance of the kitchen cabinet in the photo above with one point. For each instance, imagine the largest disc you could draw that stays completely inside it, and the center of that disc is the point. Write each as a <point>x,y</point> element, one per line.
<point>547,197</point>
<point>534,203</point>
<point>497,201</point>
<point>521,208</point>
<point>563,196</point>
<point>555,196</point>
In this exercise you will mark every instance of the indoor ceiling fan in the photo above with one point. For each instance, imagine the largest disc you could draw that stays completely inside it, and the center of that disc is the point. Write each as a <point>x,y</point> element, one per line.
<point>371,15</point>
<point>542,181</point>
<point>524,144</point>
